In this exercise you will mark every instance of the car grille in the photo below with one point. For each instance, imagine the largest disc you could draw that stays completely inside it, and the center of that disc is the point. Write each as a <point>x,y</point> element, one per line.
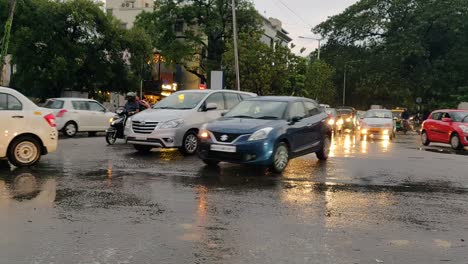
<point>143,127</point>
<point>226,137</point>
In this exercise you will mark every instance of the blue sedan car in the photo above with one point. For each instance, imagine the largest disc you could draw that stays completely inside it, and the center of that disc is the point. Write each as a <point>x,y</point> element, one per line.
<point>266,131</point>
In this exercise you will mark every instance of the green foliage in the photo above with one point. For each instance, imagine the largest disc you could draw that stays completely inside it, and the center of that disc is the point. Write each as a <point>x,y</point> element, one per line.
<point>74,45</point>
<point>319,82</point>
<point>407,49</point>
<point>205,26</point>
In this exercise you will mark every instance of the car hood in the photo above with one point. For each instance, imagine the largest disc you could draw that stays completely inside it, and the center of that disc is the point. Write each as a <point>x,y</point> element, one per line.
<point>160,115</point>
<point>242,125</point>
<point>377,121</point>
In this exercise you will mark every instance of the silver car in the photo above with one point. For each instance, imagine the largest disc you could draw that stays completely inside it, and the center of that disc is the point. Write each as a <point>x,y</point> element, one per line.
<point>174,122</point>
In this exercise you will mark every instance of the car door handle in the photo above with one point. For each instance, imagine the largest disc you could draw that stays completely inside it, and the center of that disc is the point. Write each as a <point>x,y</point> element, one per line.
<point>17,116</point>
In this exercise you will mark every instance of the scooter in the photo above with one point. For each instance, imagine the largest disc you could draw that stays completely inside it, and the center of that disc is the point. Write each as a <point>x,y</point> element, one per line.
<point>116,129</point>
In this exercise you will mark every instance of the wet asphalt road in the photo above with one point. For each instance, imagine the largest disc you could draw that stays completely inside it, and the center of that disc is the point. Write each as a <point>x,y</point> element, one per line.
<point>372,202</point>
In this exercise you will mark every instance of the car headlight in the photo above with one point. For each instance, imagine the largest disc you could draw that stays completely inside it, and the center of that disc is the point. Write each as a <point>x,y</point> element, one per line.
<point>339,122</point>
<point>464,129</point>
<point>203,132</point>
<point>260,134</point>
<point>111,120</point>
<point>331,122</point>
<point>171,123</point>
<point>348,119</point>
<point>128,124</point>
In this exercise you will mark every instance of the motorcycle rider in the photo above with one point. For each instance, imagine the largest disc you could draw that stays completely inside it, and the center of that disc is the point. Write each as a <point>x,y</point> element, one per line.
<point>143,104</point>
<point>405,116</point>
<point>132,106</point>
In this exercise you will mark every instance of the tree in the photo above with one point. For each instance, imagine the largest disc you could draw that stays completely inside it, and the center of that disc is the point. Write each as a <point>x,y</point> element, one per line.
<point>319,82</point>
<point>194,33</point>
<point>74,45</point>
<point>408,49</point>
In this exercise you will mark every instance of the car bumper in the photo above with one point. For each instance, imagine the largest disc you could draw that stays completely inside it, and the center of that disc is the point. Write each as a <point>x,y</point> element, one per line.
<point>374,131</point>
<point>160,138</point>
<point>247,152</point>
<point>50,142</point>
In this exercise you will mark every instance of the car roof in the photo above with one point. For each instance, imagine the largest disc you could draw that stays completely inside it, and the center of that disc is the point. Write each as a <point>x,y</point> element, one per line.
<point>280,98</point>
<point>71,99</point>
<point>451,110</point>
<point>209,91</point>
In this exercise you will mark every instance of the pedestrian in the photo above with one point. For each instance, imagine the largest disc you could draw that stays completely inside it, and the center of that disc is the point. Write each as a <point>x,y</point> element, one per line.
<point>143,104</point>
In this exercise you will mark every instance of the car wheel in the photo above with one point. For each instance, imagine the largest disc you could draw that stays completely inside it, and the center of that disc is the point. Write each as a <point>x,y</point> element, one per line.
<point>211,163</point>
<point>455,142</point>
<point>324,152</point>
<point>280,158</point>
<point>425,138</point>
<point>70,129</point>
<point>24,152</point>
<point>143,149</point>
<point>111,137</point>
<point>189,143</point>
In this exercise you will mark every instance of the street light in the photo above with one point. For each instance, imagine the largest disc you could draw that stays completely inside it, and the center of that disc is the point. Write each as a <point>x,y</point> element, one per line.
<point>344,78</point>
<point>317,39</point>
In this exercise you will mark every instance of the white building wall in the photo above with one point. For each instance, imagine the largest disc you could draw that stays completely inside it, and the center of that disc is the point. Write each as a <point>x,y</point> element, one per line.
<point>128,10</point>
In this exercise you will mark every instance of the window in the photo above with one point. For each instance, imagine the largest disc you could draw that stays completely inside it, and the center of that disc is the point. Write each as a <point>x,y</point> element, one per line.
<point>109,12</point>
<point>311,108</point>
<point>93,106</point>
<point>179,26</point>
<point>80,105</point>
<point>54,104</point>
<point>9,102</point>
<point>216,98</point>
<point>437,116</point>
<point>232,100</point>
<point>245,96</point>
<point>146,5</point>
<point>297,110</point>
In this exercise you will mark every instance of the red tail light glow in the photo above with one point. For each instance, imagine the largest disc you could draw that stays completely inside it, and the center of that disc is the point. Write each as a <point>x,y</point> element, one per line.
<point>50,118</point>
<point>61,113</point>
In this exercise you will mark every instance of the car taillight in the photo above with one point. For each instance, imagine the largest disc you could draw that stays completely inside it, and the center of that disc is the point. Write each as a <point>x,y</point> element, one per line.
<point>61,113</point>
<point>50,118</point>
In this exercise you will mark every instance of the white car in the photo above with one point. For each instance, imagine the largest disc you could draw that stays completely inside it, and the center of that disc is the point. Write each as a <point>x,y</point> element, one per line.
<point>79,115</point>
<point>378,122</point>
<point>174,122</point>
<point>27,131</point>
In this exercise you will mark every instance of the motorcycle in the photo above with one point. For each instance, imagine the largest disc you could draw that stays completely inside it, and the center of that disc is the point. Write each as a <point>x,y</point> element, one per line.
<point>116,129</point>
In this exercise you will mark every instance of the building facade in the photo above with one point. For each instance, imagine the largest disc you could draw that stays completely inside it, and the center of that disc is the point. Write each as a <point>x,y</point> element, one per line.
<point>127,10</point>
<point>274,32</point>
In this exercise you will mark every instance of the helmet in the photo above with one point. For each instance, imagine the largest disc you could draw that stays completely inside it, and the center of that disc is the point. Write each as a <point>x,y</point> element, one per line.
<point>131,95</point>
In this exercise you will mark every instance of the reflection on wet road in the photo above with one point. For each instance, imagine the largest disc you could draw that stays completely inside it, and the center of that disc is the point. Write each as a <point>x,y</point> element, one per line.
<point>375,199</point>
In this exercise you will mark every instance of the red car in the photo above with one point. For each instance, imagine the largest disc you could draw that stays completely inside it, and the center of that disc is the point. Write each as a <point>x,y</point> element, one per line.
<point>446,126</point>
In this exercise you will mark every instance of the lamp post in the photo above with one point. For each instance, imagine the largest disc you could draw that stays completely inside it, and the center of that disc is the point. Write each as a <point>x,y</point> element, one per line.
<point>344,79</point>
<point>319,40</point>
<point>236,53</point>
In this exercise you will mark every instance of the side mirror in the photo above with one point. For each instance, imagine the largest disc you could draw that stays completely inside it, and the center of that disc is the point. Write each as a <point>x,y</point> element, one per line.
<point>295,119</point>
<point>446,119</point>
<point>211,106</point>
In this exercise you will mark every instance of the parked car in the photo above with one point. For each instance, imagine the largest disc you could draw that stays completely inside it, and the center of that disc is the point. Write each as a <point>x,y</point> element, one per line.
<point>27,130</point>
<point>348,117</point>
<point>446,126</point>
<point>378,122</point>
<point>266,131</point>
<point>334,121</point>
<point>79,115</point>
<point>174,122</point>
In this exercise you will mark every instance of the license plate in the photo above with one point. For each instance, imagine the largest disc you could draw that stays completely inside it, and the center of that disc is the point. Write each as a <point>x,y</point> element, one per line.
<point>140,138</point>
<point>223,148</point>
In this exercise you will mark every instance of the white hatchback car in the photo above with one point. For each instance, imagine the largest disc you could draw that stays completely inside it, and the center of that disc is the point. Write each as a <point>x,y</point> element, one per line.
<point>79,115</point>
<point>27,131</point>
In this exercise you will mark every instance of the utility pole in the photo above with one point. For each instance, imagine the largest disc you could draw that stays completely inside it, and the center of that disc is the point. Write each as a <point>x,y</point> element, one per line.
<point>6,38</point>
<point>236,53</point>
<point>319,44</point>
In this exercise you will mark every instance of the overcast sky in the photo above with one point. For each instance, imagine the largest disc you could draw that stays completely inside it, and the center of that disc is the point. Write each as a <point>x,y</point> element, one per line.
<point>299,16</point>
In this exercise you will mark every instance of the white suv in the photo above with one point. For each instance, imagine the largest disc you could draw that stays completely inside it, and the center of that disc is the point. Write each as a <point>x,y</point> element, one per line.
<point>27,131</point>
<point>79,115</point>
<point>174,122</point>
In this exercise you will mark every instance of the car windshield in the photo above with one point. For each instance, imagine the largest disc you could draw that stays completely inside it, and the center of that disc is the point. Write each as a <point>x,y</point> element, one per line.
<point>259,109</point>
<point>378,114</point>
<point>345,112</point>
<point>53,104</point>
<point>331,111</point>
<point>181,101</point>
<point>460,116</point>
